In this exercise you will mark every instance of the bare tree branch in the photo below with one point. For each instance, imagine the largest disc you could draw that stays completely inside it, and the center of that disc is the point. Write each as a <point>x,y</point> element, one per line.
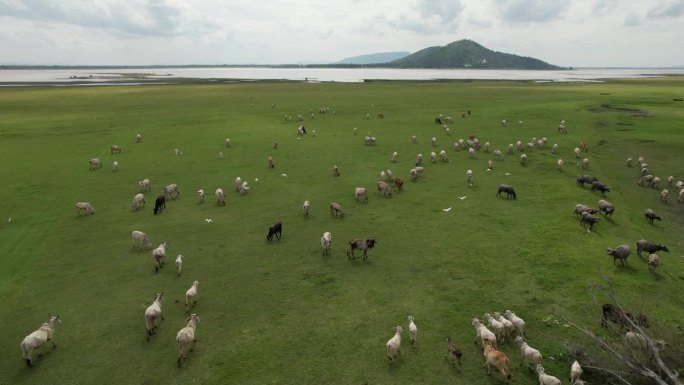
<point>646,362</point>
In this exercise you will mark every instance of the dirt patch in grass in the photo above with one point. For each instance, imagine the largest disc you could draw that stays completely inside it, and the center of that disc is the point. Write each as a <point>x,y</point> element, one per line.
<point>621,110</point>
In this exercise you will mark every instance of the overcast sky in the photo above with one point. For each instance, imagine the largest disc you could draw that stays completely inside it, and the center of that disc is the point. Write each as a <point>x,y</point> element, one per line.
<point>579,33</point>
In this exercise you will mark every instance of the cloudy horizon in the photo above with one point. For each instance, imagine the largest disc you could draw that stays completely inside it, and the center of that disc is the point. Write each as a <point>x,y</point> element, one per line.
<point>588,33</point>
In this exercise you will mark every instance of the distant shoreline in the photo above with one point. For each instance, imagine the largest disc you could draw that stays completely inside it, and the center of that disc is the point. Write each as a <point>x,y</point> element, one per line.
<point>301,66</point>
<point>113,76</point>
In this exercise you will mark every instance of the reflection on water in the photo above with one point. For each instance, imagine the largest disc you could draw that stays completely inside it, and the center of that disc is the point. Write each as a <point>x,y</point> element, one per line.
<point>168,75</point>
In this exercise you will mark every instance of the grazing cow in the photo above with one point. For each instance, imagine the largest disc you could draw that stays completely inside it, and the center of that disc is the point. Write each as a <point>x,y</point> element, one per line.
<point>275,229</point>
<point>84,208</point>
<point>170,189</point>
<point>510,192</point>
<point>360,244</point>
<point>95,163</point>
<point>220,197</point>
<point>336,209</point>
<point>159,204</point>
<point>270,162</point>
<point>616,314</point>
<point>383,188</point>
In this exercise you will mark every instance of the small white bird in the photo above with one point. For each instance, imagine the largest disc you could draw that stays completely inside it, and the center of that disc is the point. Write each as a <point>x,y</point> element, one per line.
<point>283,175</point>
<point>256,179</point>
<point>463,197</point>
<point>208,220</point>
<point>9,220</point>
<point>508,173</point>
<point>447,210</point>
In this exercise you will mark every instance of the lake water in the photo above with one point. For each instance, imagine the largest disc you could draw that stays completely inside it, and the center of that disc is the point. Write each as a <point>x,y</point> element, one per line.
<point>219,74</point>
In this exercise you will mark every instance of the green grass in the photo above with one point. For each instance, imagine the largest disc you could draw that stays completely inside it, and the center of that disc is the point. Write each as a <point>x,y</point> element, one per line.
<point>279,312</point>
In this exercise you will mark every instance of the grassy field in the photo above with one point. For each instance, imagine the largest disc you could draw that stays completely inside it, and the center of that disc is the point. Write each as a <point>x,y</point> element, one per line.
<point>280,312</point>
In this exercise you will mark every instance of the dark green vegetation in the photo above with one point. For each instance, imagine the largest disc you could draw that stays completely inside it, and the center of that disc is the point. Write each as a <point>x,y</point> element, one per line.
<point>279,312</point>
<point>468,54</point>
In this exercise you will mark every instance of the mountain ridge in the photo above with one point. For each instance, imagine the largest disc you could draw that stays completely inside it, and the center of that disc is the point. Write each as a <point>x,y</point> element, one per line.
<point>374,58</point>
<point>468,54</point>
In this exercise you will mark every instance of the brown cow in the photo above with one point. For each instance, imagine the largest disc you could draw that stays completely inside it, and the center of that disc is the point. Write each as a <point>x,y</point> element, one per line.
<point>398,183</point>
<point>497,359</point>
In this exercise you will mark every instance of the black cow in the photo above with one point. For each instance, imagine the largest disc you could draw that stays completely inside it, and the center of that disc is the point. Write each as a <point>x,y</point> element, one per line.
<point>275,229</point>
<point>360,244</point>
<point>159,204</point>
<point>510,192</point>
<point>644,245</point>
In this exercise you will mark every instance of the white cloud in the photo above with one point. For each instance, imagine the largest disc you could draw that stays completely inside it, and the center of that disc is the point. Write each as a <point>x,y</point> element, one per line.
<point>523,11</point>
<point>563,32</point>
<point>671,9</point>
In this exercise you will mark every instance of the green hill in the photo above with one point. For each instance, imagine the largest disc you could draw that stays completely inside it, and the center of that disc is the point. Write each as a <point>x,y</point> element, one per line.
<point>468,54</point>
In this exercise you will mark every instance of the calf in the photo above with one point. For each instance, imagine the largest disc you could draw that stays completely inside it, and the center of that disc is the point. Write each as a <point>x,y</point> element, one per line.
<point>275,229</point>
<point>453,352</point>
<point>361,245</point>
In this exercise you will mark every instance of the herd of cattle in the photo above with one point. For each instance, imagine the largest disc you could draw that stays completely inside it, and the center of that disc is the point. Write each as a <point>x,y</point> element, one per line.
<point>586,214</point>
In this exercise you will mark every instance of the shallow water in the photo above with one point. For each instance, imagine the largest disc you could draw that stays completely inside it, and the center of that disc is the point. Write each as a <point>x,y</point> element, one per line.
<point>141,75</point>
